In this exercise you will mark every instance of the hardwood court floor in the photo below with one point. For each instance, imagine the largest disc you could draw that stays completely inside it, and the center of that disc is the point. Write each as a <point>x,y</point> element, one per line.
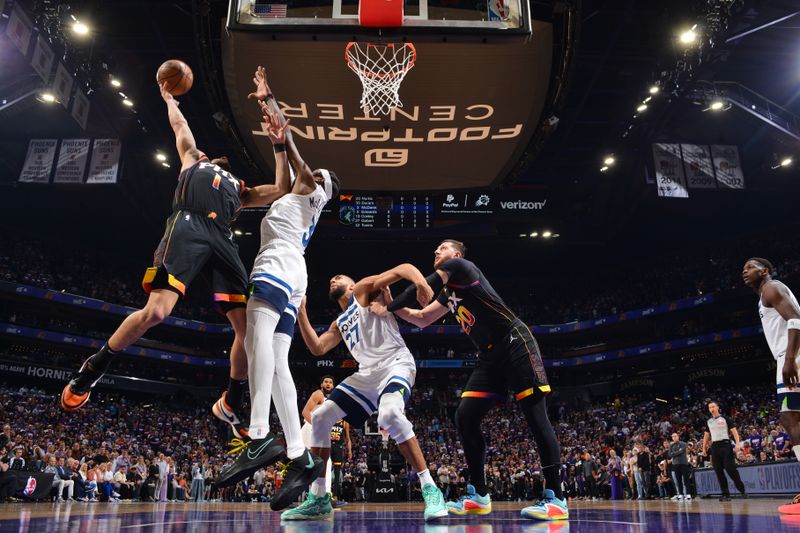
<point>739,516</point>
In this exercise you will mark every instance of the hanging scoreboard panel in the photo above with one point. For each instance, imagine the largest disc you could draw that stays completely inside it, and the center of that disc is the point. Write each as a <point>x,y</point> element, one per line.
<point>386,211</point>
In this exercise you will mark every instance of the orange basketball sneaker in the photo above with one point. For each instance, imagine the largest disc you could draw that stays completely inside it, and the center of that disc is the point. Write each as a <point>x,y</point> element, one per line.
<point>224,412</point>
<point>791,508</point>
<point>76,394</point>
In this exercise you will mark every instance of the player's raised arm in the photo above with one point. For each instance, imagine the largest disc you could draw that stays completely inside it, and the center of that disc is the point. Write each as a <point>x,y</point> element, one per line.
<point>266,194</point>
<point>305,183</point>
<point>777,296</point>
<point>317,345</point>
<point>314,400</point>
<point>366,288</point>
<point>184,140</point>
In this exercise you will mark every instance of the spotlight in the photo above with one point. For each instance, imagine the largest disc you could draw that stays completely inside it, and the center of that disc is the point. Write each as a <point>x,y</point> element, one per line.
<point>556,235</point>
<point>717,105</point>
<point>80,28</point>
<point>609,160</point>
<point>160,156</point>
<point>653,89</point>
<point>47,97</point>
<point>647,99</point>
<point>689,36</point>
<point>641,108</point>
<point>165,164</point>
<point>523,234</point>
<point>546,234</point>
<point>603,168</point>
<point>786,161</point>
<point>116,83</point>
<point>534,234</point>
<point>127,102</point>
<point>237,232</point>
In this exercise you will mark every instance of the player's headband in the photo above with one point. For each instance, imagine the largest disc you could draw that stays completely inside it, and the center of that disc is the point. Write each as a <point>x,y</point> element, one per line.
<point>327,184</point>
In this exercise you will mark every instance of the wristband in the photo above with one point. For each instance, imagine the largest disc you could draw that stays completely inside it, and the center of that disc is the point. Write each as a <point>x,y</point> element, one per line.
<point>270,95</point>
<point>793,323</point>
<point>278,148</point>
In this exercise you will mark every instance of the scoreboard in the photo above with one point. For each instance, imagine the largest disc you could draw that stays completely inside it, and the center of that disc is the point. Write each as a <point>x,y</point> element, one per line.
<point>386,211</point>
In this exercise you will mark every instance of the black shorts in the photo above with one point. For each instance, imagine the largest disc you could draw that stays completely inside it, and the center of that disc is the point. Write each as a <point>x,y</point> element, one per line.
<point>337,453</point>
<point>515,363</point>
<point>193,244</point>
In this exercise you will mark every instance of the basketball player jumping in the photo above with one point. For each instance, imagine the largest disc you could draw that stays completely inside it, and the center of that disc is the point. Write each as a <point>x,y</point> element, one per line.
<point>278,284</point>
<point>780,319</point>
<point>340,438</point>
<point>383,383</point>
<point>508,356</point>
<point>198,238</point>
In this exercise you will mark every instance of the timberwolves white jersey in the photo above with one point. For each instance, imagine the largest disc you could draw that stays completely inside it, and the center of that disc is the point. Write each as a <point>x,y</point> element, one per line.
<point>292,219</point>
<point>775,327</point>
<point>371,339</point>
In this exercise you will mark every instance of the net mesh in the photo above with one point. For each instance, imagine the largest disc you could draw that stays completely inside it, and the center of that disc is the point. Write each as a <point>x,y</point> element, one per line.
<point>381,69</point>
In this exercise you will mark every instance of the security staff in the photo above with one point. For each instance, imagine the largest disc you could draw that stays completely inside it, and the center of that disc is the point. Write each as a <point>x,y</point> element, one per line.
<point>722,456</point>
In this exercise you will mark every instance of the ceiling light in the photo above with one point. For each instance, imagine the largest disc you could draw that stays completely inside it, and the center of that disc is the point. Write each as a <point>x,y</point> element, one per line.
<point>556,235</point>
<point>80,28</point>
<point>647,99</point>
<point>609,160</point>
<point>165,164</point>
<point>47,97</point>
<point>127,102</point>
<point>534,234</point>
<point>115,82</point>
<point>654,89</point>
<point>786,161</point>
<point>237,232</point>
<point>160,156</point>
<point>689,36</point>
<point>641,108</point>
<point>603,168</point>
<point>523,234</point>
<point>546,234</point>
<point>716,105</point>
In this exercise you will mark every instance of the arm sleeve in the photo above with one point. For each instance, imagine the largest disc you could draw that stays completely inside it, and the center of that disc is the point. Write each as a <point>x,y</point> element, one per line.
<point>409,296</point>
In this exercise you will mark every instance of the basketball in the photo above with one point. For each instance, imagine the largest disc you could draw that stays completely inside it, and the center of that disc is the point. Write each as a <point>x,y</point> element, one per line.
<point>178,76</point>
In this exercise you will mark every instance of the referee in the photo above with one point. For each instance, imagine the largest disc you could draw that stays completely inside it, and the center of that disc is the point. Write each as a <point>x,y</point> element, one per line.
<point>722,457</point>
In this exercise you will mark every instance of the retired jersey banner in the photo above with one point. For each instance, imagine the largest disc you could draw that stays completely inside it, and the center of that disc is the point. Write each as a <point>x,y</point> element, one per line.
<point>80,108</point>
<point>19,29</point>
<point>670,180</point>
<point>727,166</point>
<point>105,161</point>
<point>39,161</point>
<point>698,166</point>
<point>71,162</point>
<point>62,85</point>
<point>42,60</point>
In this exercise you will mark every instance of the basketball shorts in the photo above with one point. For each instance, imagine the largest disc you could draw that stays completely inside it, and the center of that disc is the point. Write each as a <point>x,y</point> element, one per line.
<point>788,400</point>
<point>515,363</point>
<point>279,278</point>
<point>359,394</point>
<point>193,244</point>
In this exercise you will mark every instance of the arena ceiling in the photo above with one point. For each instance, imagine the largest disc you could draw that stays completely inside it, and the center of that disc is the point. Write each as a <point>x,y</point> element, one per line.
<point>620,48</point>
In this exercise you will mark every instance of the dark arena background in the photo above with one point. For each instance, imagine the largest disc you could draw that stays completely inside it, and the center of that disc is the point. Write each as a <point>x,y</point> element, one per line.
<point>611,166</point>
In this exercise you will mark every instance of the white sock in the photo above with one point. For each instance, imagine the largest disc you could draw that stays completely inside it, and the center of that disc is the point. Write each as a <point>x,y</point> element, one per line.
<point>329,476</point>
<point>284,395</point>
<point>796,450</point>
<point>318,487</point>
<point>425,477</point>
<point>262,319</point>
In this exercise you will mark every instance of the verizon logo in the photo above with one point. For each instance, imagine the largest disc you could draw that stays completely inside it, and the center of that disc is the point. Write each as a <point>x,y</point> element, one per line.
<point>519,204</point>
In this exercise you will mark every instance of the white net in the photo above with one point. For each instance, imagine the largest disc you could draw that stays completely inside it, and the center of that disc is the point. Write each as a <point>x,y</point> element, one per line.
<point>381,69</point>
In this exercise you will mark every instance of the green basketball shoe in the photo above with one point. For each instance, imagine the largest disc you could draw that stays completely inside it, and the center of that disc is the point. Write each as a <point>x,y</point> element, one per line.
<point>314,508</point>
<point>434,502</point>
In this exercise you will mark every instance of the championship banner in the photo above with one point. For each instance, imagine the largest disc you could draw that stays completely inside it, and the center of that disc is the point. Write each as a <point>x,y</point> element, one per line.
<point>670,180</point>
<point>105,161</point>
<point>62,85</point>
<point>19,29</point>
<point>71,162</point>
<point>80,108</point>
<point>727,166</point>
<point>42,60</point>
<point>39,161</point>
<point>698,166</point>
<point>767,478</point>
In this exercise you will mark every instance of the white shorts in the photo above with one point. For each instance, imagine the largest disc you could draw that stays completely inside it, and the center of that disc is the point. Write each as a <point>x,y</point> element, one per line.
<point>279,278</point>
<point>359,394</point>
<point>789,400</point>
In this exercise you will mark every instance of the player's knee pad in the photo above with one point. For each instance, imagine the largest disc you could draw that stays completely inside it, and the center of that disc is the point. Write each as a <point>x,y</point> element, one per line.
<point>322,420</point>
<point>392,417</point>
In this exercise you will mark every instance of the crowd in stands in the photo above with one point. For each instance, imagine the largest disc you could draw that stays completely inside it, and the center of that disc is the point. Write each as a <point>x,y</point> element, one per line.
<point>118,448</point>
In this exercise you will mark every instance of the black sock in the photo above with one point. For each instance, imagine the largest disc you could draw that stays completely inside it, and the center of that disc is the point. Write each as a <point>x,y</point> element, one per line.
<point>545,437</point>
<point>102,359</point>
<point>469,414</point>
<point>236,390</point>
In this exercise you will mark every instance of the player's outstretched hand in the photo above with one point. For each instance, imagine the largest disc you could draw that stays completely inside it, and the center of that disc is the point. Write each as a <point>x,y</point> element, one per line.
<point>276,130</point>
<point>424,293</point>
<point>378,309</point>
<point>165,94</point>
<point>790,378</point>
<point>260,81</point>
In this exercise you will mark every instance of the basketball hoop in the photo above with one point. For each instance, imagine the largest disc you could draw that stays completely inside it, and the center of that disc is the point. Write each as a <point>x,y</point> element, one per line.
<point>381,69</point>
